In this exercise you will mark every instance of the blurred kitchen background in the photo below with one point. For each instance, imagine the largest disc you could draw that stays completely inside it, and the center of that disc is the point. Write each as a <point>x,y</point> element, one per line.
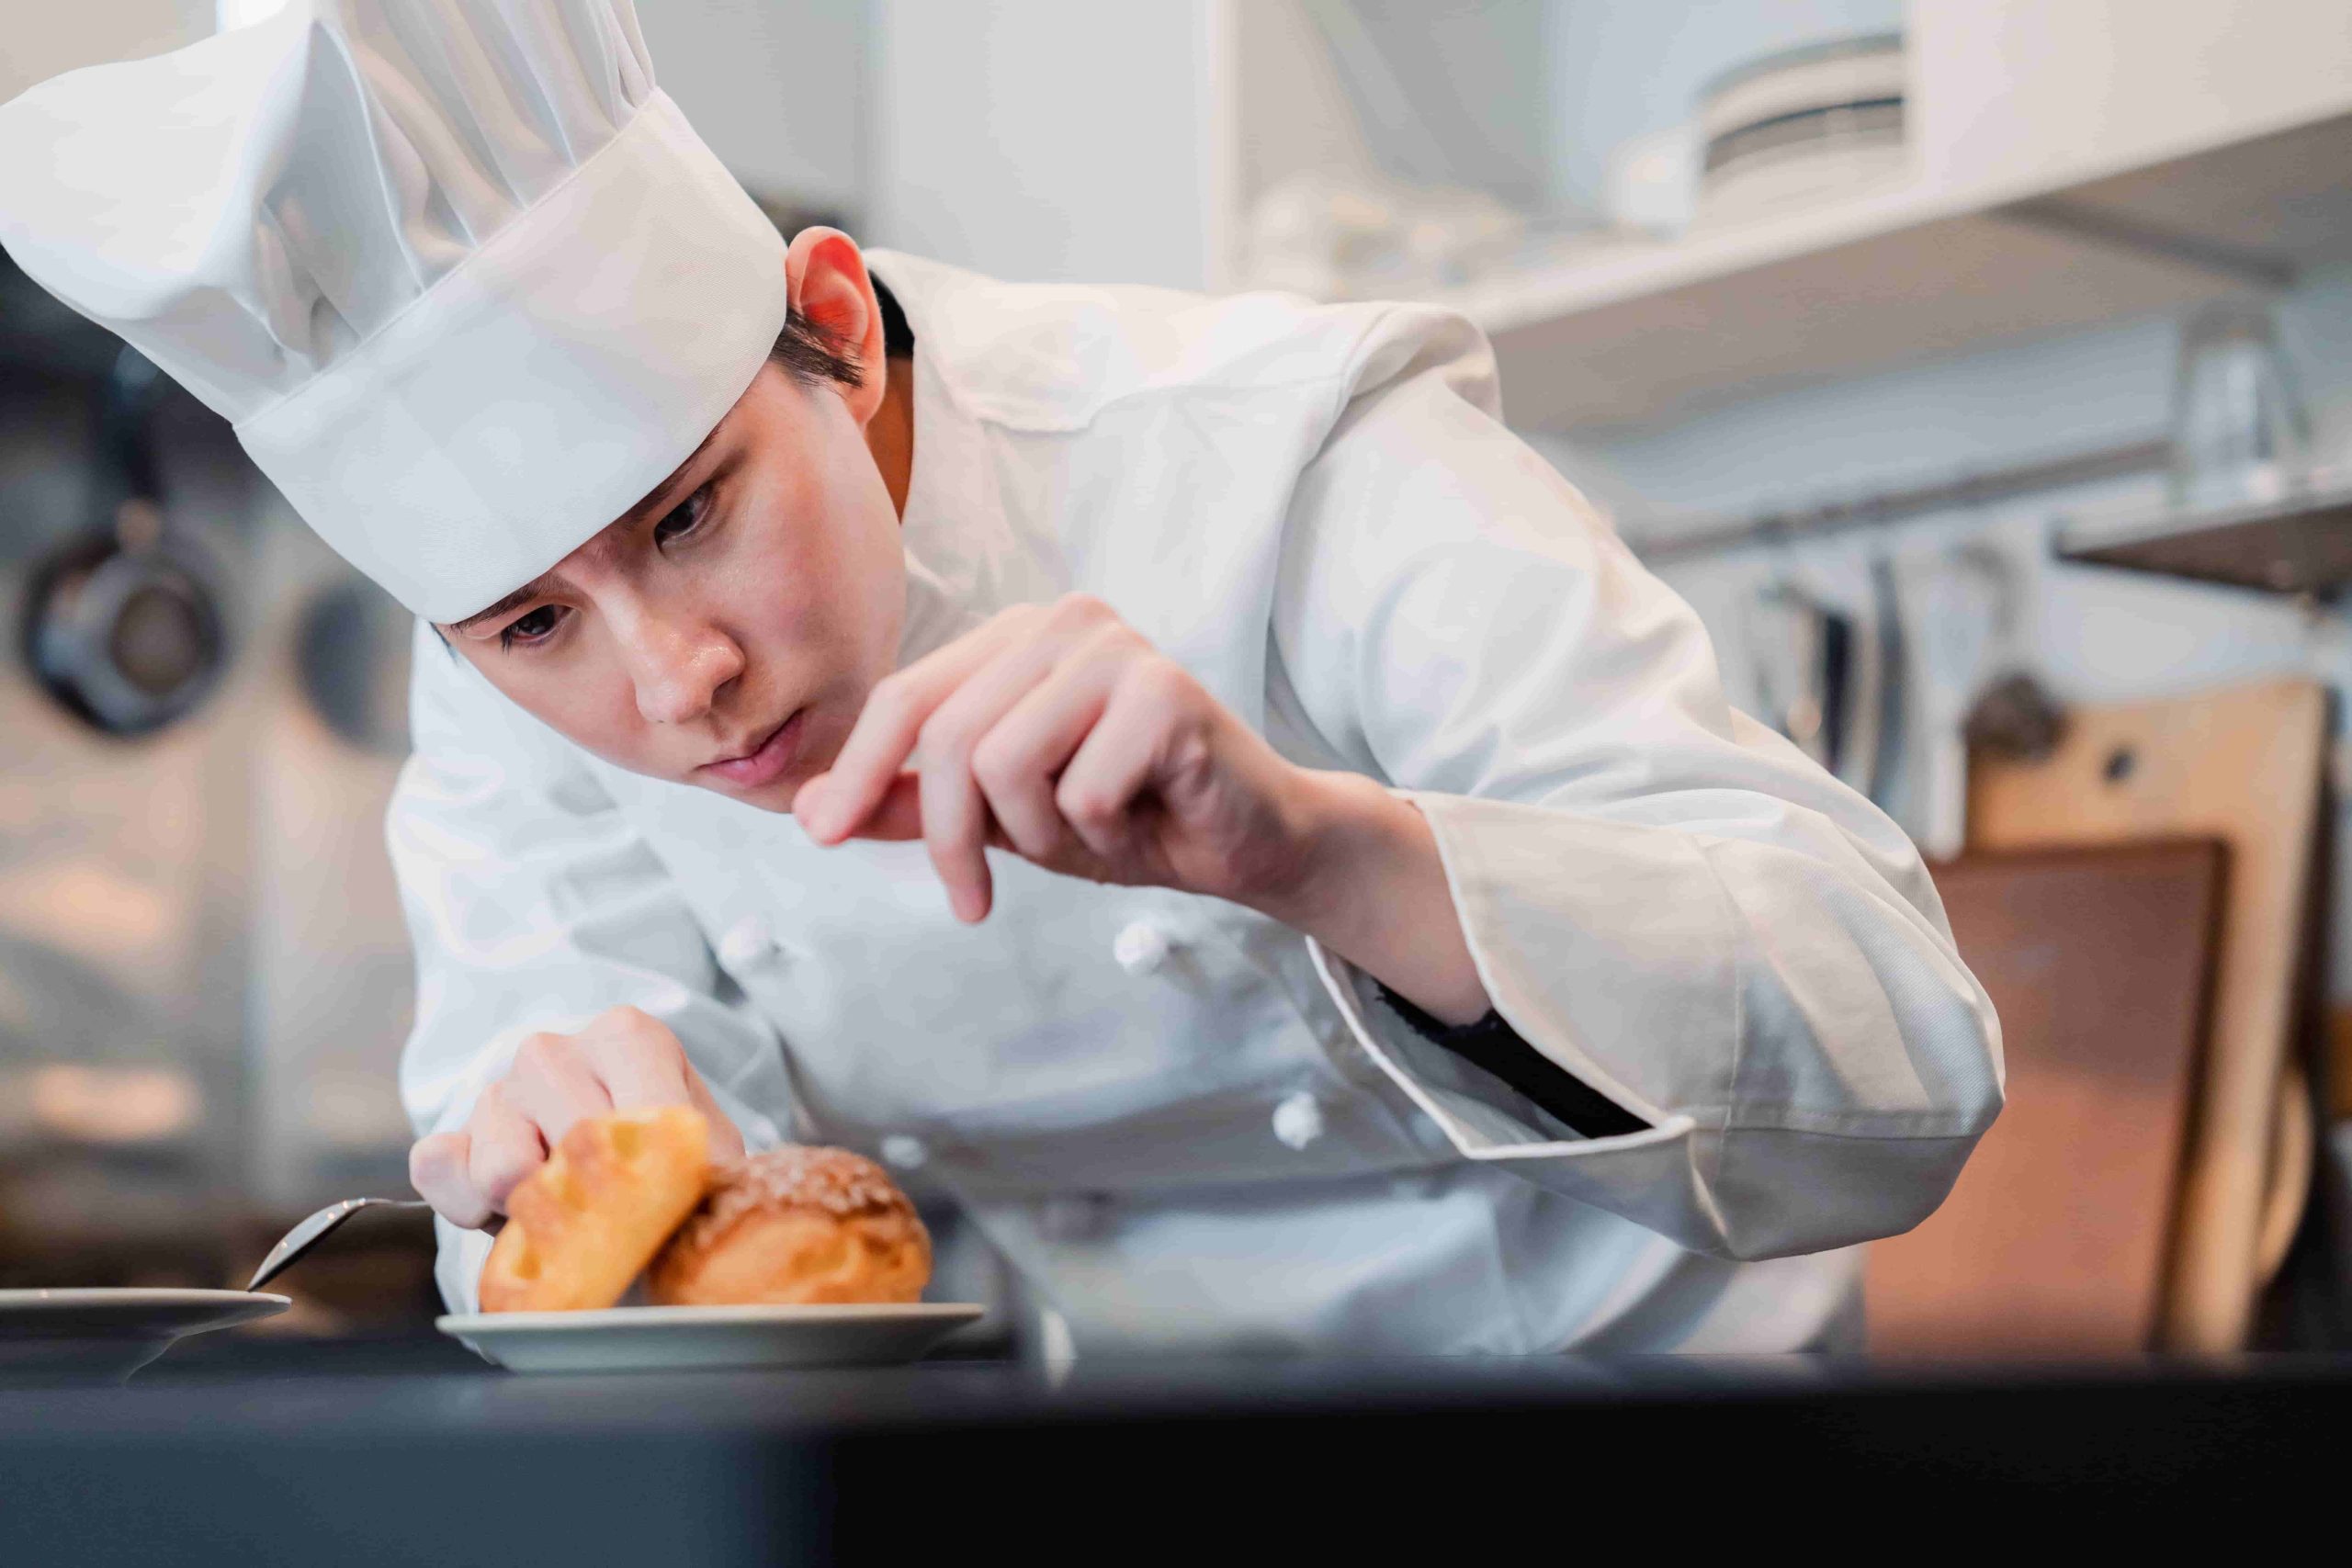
<point>1982,370</point>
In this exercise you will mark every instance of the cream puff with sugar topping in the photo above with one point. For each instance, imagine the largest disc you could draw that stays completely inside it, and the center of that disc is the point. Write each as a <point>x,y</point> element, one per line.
<point>797,1226</point>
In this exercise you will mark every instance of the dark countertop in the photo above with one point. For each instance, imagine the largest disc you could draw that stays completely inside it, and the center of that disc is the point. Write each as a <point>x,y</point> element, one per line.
<point>262,1451</point>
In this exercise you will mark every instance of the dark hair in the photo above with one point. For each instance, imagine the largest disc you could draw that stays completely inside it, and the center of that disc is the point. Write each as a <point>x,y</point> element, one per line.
<point>810,354</point>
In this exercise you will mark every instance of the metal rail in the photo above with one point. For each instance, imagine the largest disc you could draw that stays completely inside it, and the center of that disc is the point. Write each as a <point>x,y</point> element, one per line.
<point>1981,488</point>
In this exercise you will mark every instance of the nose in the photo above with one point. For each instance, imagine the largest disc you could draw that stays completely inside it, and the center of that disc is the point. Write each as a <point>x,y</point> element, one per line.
<point>679,666</point>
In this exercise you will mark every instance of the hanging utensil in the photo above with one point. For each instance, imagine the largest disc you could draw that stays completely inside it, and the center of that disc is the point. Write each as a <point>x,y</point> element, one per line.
<point>1889,733</point>
<point>122,625</point>
<point>351,662</point>
<point>1799,653</point>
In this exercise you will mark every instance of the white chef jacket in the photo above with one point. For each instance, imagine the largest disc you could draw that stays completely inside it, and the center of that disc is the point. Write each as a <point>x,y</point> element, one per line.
<point>1183,1123</point>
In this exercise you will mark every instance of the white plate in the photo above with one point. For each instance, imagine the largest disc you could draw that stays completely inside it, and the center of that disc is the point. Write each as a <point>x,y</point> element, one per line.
<point>105,1333</point>
<point>650,1339</point>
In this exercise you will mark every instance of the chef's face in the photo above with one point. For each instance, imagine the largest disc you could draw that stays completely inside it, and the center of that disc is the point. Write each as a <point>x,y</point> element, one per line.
<point>726,632</point>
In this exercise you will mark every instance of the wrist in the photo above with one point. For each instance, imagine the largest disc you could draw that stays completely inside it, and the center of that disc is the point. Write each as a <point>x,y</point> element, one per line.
<point>1371,888</point>
<point>1337,825</point>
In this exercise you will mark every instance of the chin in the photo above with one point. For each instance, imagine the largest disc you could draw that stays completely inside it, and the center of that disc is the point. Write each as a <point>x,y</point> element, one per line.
<point>777,797</point>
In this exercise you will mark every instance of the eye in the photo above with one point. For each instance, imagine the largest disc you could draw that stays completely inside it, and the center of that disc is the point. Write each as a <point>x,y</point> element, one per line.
<point>684,519</point>
<point>537,626</point>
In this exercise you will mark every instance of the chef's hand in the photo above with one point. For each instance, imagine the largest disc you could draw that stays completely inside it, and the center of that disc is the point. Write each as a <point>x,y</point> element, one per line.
<point>624,1059</point>
<point>1057,732</point>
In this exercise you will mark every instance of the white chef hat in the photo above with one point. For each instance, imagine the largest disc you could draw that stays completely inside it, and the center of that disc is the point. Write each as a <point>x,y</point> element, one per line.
<point>464,280</point>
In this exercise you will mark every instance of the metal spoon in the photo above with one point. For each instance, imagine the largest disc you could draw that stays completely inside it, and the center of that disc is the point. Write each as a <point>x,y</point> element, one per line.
<point>310,1232</point>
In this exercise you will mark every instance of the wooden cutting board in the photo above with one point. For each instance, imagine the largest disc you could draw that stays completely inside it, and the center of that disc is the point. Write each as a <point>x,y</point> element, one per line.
<point>2054,1241</point>
<point>2242,765</point>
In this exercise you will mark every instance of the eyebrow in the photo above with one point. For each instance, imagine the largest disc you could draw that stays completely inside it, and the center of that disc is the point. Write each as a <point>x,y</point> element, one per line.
<point>542,584</point>
<point>547,582</point>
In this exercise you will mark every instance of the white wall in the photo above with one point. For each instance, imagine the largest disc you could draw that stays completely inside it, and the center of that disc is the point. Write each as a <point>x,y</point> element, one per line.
<point>1455,93</point>
<point>2145,79</point>
<point>777,87</point>
<point>1047,138</point>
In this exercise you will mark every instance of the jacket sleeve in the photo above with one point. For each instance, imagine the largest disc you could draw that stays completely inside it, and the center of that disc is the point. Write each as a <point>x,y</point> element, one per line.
<point>533,905</point>
<point>1664,898</point>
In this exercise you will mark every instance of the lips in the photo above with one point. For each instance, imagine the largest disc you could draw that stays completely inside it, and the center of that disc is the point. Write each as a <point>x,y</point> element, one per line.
<point>766,762</point>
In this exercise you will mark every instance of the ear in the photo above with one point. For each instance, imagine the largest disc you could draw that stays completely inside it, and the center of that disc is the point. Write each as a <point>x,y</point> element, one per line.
<point>825,279</point>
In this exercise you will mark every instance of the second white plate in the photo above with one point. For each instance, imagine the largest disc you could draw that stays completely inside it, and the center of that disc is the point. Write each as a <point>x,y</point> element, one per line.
<point>651,1339</point>
<point>101,1332</point>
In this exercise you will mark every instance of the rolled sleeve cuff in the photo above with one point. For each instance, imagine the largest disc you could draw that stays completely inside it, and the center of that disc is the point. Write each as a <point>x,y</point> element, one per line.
<point>1481,1116</point>
<point>1609,947</point>
<point>1594,941</point>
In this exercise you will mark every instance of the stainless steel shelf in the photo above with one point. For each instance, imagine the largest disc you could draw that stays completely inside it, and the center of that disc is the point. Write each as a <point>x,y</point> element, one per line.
<point>2298,543</point>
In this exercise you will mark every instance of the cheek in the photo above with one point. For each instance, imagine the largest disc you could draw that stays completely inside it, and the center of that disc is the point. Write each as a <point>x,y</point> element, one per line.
<point>827,583</point>
<point>869,563</point>
<point>585,697</point>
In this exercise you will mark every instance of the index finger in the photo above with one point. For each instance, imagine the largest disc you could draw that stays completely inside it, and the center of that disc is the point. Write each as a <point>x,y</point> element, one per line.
<point>885,735</point>
<point>634,1070</point>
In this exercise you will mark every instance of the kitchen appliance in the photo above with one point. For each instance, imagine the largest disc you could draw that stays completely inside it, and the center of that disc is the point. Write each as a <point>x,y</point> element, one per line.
<point>1802,126</point>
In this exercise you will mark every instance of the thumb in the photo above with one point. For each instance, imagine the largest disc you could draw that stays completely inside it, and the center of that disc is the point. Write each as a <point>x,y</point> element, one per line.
<point>437,1169</point>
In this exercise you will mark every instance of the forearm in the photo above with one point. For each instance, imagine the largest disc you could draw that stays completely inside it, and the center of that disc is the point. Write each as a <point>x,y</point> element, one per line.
<point>1371,888</point>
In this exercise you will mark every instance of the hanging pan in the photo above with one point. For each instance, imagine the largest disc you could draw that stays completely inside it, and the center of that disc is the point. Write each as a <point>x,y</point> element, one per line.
<point>122,625</point>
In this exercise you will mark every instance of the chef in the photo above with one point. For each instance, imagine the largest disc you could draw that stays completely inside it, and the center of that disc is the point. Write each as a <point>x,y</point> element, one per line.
<point>1175,774</point>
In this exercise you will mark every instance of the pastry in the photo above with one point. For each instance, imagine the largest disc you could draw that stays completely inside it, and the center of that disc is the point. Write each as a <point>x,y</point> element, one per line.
<point>583,1226</point>
<point>797,1225</point>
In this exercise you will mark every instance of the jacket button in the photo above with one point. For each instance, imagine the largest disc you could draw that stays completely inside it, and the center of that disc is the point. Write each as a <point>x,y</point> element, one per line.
<point>748,942</point>
<point>1140,948</point>
<point>1298,1119</point>
<point>905,1151</point>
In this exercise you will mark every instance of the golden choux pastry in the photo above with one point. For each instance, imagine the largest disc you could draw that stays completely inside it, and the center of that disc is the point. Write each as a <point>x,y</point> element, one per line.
<point>796,1227</point>
<point>583,1224</point>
